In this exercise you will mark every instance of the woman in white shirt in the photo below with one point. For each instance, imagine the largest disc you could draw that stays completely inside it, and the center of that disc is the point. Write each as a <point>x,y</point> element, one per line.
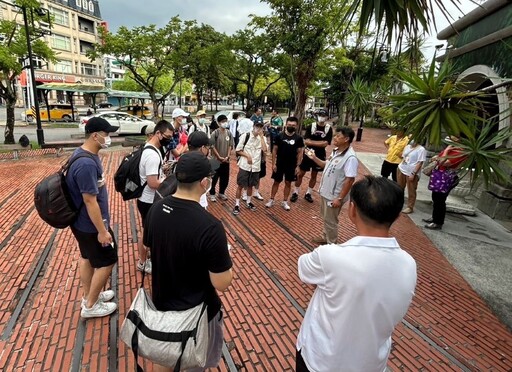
<point>409,171</point>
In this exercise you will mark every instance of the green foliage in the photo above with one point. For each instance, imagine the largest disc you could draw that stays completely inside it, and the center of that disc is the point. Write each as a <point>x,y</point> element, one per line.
<point>360,96</point>
<point>486,153</point>
<point>435,104</point>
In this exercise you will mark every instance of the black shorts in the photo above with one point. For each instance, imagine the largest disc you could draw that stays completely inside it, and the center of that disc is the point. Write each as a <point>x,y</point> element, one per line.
<point>287,172</point>
<point>143,210</point>
<point>247,179</point>
<point>92,250</point>
<point>308,164</point>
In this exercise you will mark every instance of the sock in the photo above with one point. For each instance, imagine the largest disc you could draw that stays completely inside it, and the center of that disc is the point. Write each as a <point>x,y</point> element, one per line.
<point>237,202</point>
<point>248,199</point>
<point>310,190</point>
<point>255,192</point>
<point>296,190</point>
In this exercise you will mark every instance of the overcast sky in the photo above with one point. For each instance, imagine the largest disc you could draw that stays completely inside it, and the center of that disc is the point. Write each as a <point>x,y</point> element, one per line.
<point>224,15</point>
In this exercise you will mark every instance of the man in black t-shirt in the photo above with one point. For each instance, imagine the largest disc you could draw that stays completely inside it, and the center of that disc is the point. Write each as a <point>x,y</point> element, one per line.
<point>318,136</point>
<point>189,250</point>
<point>286,155</point>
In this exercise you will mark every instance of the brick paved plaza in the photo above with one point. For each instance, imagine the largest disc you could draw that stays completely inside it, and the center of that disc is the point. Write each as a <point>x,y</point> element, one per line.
<point>448,326</point>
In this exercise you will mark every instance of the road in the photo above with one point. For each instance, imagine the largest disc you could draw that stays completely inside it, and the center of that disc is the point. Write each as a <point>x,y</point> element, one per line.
<point>50,134</point>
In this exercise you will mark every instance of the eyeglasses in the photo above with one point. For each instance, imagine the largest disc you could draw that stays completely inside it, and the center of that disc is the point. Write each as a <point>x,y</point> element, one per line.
<point>169,138</point>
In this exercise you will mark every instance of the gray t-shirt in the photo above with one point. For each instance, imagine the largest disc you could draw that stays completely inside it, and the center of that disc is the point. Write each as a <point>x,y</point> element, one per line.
<point>222,140</point>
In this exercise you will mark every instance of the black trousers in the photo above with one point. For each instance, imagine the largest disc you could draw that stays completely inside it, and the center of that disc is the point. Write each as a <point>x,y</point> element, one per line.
<point>439,209</point>
<point>300,365</point>
<point>388,169</point>
<point>221,175</point>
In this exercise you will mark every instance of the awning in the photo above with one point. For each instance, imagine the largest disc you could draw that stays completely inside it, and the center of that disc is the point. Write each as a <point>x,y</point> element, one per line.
<point>127,94</point>
<point>74,87</point>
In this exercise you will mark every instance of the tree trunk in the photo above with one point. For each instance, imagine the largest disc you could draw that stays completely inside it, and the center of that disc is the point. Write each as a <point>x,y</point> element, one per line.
<point>10,102</point>
<point>305,71</point>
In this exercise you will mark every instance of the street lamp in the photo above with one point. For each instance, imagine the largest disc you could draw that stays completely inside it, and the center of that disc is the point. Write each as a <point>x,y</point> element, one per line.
<point>383,53</point>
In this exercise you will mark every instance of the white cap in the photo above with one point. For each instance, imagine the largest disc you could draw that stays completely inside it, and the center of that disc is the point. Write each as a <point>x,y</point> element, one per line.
<point>150,129</point>
<point>179,112</point>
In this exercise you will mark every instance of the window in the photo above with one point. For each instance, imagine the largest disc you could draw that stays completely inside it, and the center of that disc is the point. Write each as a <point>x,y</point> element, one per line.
<point>60,17</point>
<point>64,66</point>
<point>88,69</point>
<point>61,42</point>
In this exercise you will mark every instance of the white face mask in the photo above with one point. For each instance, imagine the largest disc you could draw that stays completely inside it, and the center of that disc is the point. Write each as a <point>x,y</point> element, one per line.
<point>107,141</point>
<point>207,189</point>
<point>322,119</point>
<point>183,121</point>
<point>202,121</point>
<point>225,125</point>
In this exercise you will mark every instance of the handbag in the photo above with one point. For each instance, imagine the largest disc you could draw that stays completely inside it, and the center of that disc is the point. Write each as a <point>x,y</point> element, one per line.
<point>443,181</point>
<point>427,170</point>
<point>175,339</point>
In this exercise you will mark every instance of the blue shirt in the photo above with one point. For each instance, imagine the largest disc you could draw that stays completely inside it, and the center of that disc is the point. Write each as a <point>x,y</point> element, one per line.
<point>85,176</point>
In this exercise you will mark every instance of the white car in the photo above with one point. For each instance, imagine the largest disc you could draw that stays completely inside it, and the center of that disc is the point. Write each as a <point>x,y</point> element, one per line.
<point>229,114</point>
<point>128,124</point>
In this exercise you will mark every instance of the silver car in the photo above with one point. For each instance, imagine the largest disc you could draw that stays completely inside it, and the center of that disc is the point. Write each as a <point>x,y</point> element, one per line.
<point>128,124</point>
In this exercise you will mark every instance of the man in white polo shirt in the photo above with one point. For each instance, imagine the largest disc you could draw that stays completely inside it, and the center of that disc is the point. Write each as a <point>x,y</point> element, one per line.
<point>363,287</point>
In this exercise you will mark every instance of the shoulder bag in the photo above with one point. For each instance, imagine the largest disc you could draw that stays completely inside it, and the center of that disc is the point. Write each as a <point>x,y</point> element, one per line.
<point>175,339</point>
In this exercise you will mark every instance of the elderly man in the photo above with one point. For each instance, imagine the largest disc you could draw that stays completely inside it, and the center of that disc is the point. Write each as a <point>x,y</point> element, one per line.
<point>363,287</point>
<point>340,171</point>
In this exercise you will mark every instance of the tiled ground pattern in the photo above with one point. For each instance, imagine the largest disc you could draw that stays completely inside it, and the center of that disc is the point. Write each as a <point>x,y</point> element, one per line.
<point>448,327</point>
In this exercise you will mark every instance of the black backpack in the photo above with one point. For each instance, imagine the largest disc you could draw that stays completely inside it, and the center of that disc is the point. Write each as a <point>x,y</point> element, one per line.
<point>245,143</point>
<point>127,176</point>
<point>52,198</point>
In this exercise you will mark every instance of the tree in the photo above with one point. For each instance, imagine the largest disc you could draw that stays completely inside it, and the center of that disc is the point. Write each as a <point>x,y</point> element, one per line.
<point>13,50</point>
<point>148,53</point>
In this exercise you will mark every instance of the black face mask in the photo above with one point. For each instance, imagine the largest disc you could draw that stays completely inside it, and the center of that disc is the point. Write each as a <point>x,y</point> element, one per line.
<point>290,129</point>
<point>165,141</point>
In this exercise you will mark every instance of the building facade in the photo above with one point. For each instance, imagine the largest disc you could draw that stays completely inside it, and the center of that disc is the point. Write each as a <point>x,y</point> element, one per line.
<point>75,28</point>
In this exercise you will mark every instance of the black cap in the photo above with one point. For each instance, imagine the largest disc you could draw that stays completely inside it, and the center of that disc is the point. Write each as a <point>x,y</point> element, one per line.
<point>197,139</point>
<point>192,166</point>
<point>222,118</point>
<point>98,124</point>
<point>322,112</point>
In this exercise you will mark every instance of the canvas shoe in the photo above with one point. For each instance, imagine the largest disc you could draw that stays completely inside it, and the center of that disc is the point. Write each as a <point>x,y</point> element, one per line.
<point>251,206</point>
<point>98,310</point>
<point>236,210</point>
<point>285,206</point>
<point>213,198</point>
<point>294,197</point>
<point>223,197</point>
<point>103,297</point>
<point>308,197</point>
<point>433,226</point>
<point>258,196</point>
<point>270,203</point>
<point>428,220</point>
<point>148,268</point>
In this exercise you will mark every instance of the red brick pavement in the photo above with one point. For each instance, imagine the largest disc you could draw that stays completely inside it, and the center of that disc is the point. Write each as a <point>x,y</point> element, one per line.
<point>448,327</point>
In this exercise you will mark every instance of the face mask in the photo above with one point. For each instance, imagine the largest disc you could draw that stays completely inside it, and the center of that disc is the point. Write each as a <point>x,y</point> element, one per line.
<point>164,141</point>
<point>207,189</point>
<point>224,125</point>
<point>322,119</point>
<point>412,143</point>
<point>184,121</point>
<point>202,121</point>
<point>107,141</point>
<point>290,129</point>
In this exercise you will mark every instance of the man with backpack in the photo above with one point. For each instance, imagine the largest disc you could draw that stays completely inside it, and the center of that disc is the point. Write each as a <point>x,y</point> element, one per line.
<point>98,250</point>
<point>318,136</point>
<point>201,125</point>
<point>151,175</point>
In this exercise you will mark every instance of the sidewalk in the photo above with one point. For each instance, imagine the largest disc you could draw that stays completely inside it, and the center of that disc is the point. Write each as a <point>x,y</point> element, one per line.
<point>448,327</point>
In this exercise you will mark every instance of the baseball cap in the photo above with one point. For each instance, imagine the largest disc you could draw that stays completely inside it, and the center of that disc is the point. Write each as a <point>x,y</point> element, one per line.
<point>197,139</point>
<point>150,129</point>
<point>179,112</point>
<point>98,124</point>
<point>192,166</point>
<point>201,112</point>
<point>322,112</point>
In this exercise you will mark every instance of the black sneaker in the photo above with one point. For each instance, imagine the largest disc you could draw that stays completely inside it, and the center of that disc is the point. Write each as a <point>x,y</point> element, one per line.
<point>251,206</point>
<point>294,197</point>
<point>309,198</point>
<point>236,210</point>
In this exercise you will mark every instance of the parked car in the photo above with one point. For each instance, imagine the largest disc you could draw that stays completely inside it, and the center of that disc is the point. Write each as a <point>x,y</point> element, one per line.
<point>102,105</point>
<point>128,124</point>
<point>58,111</point>
<point>136,110</point>
<point>229,114</point>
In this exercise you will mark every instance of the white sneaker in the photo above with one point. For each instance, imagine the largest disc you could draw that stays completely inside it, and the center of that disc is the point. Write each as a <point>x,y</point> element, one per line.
<point>285,206</point>
<point>103,297</point>
<point>223,197</point>
<point>270,203</point>
<point>98,310</point>
<point>147,268</point>
<point>257,196</point>
<point>213,198</point>
<point>244,197</point>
